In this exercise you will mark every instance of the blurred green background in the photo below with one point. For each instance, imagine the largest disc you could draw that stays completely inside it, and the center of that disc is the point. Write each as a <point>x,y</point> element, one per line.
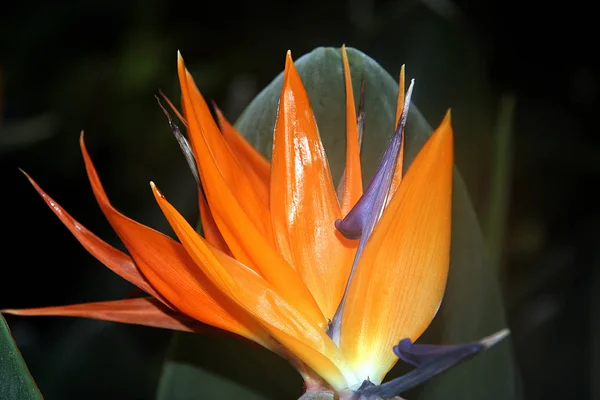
<point>521,81</point>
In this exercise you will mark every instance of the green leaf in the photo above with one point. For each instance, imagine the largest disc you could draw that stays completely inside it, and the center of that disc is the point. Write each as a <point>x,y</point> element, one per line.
<point>15,381</point>
<point>472,307</point>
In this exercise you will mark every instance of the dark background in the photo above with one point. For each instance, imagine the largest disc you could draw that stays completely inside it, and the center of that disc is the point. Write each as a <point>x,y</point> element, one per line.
<point>96,65</point>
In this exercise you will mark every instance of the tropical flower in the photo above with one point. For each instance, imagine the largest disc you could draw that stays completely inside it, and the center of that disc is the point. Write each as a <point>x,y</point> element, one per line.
<point>329,279</point>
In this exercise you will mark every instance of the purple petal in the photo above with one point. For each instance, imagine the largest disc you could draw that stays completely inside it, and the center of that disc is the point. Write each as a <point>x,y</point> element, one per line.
<point>361,220</point>
<point>430,361</point>
<point>422,354</point>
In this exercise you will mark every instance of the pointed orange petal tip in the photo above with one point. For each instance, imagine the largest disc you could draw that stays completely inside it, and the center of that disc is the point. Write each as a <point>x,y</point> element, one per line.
<point>289,61</point>
<point>221,119</point>
<point>400,100</point>
<point>218,112</point>
<point>28,177</point>
<point>155,190</point>
<point>83,147</point>
<point>180,65</point>
<point>344,53</point>
<point>446,125</point>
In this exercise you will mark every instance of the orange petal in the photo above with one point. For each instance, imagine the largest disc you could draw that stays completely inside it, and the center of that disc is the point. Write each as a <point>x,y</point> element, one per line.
<point>302,337</point>
<point>171,271</point>
<point>399,163</point>
<point>209,226</point>
<point>246,243</point>
<point>140,311</point>
<point>304,205</point>
<point>401,276</point>
<point>238,225</point>
<point>214,157</point>
<point>254,163</point>
<point>401,94</point>
<point>117,261</point>
<point>353,186</point>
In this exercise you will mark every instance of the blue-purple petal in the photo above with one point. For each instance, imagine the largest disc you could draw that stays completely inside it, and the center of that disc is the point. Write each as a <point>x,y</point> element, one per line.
<point>421,354</point>
<point>429,360</point>
<point>361,220</point>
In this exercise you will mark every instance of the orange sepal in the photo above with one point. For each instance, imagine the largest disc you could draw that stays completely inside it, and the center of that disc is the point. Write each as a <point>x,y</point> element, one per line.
<point>397,178</point>
<point>401,275</point>
<point>300,336</point>
<point>171,271</point>
<point>247,242</point>
<point>254,163</point>
<point>139,311</point>
<point>304,205</point>
<point>353,186</point>
<point>117,261</point>
<point>215,158</point>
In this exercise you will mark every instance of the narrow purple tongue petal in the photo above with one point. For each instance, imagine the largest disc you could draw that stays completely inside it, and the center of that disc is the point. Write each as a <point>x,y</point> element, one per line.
<point>361,220</point>
<point>429,361</point>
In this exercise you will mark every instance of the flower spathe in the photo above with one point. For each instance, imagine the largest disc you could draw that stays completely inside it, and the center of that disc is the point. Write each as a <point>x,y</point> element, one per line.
<point>271,266</point>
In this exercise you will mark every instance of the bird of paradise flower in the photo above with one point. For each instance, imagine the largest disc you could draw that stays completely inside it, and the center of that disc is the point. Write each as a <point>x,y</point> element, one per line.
<point>330,280</point>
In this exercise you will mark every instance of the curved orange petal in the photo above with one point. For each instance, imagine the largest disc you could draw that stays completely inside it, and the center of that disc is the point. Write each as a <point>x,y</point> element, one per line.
<point>401,276</point>
<point>400,162</point>
<point>140,311</point>
<point>117,261</point>
<point>214,156</point>
<point>254,163</point>
<point>304,205</point>
<point>247,242</point>
<point>302,337</point>
<point>353,186</point>
<point>171,271</point>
